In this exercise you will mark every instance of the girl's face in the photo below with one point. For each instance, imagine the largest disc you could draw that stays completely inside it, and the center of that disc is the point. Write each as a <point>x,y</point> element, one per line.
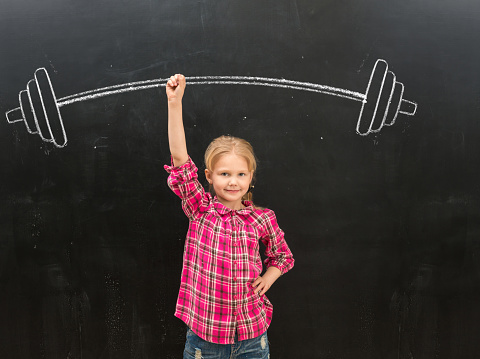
<point>231,179</point>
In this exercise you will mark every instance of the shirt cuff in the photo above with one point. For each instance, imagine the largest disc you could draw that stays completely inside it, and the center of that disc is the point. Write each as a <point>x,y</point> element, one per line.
<point>173,168</point>
<point>284,267</point>
<point>183,173</point>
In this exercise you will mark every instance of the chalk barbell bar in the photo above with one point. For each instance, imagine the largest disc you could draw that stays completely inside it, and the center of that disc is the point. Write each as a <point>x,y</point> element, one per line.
<point>40,109</point>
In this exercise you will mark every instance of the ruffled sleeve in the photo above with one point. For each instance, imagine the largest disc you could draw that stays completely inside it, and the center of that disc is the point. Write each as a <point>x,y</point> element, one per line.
<point>183,181</point>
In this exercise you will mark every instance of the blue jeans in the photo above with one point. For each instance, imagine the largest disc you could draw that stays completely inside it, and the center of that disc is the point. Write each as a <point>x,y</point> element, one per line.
<point>197,348</point>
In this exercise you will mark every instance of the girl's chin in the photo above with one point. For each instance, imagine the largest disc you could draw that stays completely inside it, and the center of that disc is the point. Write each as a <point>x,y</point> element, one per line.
<point>232,196</point>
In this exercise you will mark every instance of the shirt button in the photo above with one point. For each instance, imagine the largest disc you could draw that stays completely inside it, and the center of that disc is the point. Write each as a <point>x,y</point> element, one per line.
<point>235,279</point>
<point>235,313</point>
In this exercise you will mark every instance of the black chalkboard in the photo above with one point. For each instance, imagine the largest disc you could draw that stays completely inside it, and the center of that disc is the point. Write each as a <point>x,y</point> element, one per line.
<point>381,214</point>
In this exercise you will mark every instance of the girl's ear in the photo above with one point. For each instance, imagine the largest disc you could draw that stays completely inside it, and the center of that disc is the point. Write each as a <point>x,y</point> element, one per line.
<point>208,175</point>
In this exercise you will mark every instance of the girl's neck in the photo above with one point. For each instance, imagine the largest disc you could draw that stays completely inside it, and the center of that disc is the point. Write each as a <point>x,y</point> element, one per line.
<point>232,206</point>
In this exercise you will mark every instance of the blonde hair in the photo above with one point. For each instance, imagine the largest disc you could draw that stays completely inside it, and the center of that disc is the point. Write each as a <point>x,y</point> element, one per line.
<point>224,145</point>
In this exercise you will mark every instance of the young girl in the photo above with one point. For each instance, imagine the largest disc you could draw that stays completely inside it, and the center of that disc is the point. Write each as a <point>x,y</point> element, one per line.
<point>221,296</point>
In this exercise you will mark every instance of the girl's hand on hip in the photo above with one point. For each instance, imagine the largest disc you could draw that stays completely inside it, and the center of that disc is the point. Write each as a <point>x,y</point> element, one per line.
<point>263,283</point>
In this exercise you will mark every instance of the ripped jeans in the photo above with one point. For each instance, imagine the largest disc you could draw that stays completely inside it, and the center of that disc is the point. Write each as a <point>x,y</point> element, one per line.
<point>197,348</point>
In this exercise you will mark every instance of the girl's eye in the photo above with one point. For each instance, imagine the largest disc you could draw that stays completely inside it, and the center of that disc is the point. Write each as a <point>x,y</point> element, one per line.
<point>223,174</point>
<point>242,174</point>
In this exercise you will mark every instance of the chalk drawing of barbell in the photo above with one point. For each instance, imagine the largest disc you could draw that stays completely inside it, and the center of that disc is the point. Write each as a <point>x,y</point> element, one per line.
<point>40,109</point>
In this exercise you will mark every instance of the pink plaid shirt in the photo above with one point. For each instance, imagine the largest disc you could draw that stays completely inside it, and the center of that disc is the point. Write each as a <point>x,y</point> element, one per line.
<point>221,260</point>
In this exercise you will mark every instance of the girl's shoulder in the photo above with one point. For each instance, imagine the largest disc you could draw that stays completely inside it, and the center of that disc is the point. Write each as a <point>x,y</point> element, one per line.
<point>252,208</point>
<point>263,214</point>
<point>263,210</point>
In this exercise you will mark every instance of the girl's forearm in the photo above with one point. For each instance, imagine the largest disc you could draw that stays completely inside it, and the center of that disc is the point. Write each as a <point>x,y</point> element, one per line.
<point>272,273</point>
<point>176,133</point>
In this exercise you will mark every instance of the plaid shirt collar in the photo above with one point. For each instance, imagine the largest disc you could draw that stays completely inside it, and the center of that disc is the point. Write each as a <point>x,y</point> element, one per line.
<point>222,209</point>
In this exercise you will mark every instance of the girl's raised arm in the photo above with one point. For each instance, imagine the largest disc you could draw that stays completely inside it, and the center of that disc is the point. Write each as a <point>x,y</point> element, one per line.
<point>176,134</point>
